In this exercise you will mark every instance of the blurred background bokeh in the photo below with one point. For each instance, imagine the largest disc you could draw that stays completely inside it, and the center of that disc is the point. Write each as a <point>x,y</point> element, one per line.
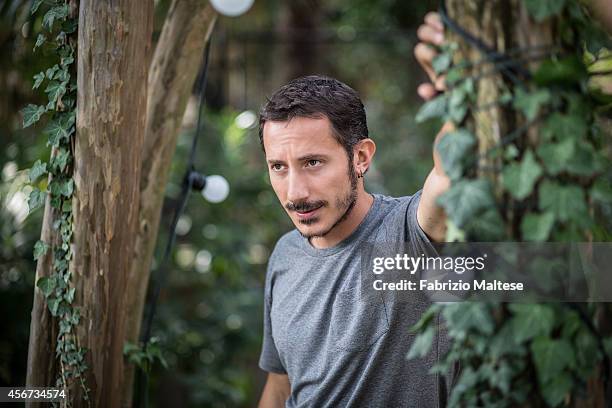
<point>209,319</point>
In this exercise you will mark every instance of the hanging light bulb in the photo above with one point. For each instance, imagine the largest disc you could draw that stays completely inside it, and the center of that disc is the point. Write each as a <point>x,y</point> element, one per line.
<point>232,8</point>
<point>214,188</point>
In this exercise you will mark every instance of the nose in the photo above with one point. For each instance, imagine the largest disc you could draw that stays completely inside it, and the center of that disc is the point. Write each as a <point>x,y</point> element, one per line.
<point>297,190</point>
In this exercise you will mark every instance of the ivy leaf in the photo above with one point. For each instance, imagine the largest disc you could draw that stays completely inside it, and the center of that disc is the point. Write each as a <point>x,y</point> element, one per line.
<point>519,178</point>
<point>564,71</point>
<point>465,199</point>
<point>531,321</point>
<point>54,13</point>
<point>433,108</point>
<point>38,78</point>
<point>536,227</point>
<point>543,9</point>
<point>58,129</point>
<point>551,357</point>
<point>585,161</point>
<point>55,90</point>
<point>38,169</point>
<point>441,62</point>
<point>452,148</point>
<point>40,40</point>
<point>456,105</point>
<point>53,305</point>
<point>601,191</point>
<point>35,5</point>
<point>36,199</point>
<point>422,343</point>
<point>487,227</point>
<point>40,249</point>
<point>462,317</point>
<point>50,72</point>
<point>32,114</point>
<point>60,187</point>
<point>566,202</point>
<point>530,102</point>
<point>561,127</point>
<point>46,285</point>
<point>555,390</point>
<point>61,159</point>
<point>69,296</point>
<point>555,155</point>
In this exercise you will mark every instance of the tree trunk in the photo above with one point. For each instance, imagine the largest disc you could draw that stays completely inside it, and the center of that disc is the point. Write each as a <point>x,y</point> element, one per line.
<point>111,107</point>
<point>173,71</point>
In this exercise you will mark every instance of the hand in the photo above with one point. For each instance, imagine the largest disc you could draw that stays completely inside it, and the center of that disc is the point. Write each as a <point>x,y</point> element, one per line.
<point>430,34</point>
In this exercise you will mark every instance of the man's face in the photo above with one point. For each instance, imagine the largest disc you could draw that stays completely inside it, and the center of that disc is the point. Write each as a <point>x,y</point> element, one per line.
<point>310,173</point>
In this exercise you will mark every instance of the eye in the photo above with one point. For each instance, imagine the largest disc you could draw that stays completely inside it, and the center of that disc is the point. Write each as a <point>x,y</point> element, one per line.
<point>313,162</point>
<point>276,167</point>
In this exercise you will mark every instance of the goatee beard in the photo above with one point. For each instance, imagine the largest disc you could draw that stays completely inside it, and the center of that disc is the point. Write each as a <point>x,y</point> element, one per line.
<point>347,202</point>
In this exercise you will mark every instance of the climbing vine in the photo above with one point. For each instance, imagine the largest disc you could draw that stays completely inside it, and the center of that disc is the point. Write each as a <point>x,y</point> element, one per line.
<point>543,180</point>
<point>57,35</point>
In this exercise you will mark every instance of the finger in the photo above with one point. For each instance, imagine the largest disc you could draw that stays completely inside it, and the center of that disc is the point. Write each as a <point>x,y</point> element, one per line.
<point>425,54</point>
<point>428,34</point>
<point>432,18</point>
<point>426,91</point>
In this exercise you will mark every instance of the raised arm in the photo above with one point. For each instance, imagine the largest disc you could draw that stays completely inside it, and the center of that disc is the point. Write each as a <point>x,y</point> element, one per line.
<point>430,216</point>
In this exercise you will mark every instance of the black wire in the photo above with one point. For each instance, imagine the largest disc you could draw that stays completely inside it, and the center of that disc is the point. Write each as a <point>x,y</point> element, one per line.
<point>490,53</point>
<point>159,275</point>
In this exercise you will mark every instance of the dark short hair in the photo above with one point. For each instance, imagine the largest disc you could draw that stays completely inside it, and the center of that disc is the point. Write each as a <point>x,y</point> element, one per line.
<point>314,97</point>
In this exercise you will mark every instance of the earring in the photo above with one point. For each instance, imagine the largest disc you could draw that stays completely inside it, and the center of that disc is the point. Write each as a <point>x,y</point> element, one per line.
<point>360,174</point>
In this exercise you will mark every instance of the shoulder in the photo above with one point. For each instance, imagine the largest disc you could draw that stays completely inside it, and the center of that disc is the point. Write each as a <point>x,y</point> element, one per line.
<point>399,206</point>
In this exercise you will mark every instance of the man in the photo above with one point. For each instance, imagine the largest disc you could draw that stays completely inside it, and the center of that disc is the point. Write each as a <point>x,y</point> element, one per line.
<point>323,346</point>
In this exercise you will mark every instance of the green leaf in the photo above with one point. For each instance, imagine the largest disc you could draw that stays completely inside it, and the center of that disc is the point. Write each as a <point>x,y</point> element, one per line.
<point>602,191</point>
<point>457,106</point>
<point>519,178</point>
<point>463,317</point>
<point>555,390</point>
<point>38,169</point>
<point>46,285</point>
<point>36,199</point>
<point>40,40</point>
<point>465,199</point>
<point>442,62</point>
<point>433,108</point>
<point>453,147</point>
<point>61,159</point>
<point>562,127</point>
<point>59,187</point>
<point>551,357</point>
<point>59,129</point>
<point>531,320</point>
<point>32,114</point>
<point>35,5</point>
<point>564,71</point>
<point>585,161</point>
<point>54,13</point>
<point>69,296</point>
<point>530,102</point>
<point>53,305</point>
<point>40,249</point>
<point>543,9</point>
<point>555,155</point>
<point>422,343</point>
<point>55,90</point>
<point>566,202</point>
<point>38,78</point>
<point>537,227</point>
<point>487,227</point>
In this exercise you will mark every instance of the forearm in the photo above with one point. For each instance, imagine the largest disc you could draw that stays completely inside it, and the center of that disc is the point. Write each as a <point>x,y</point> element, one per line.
<point>275,392</point>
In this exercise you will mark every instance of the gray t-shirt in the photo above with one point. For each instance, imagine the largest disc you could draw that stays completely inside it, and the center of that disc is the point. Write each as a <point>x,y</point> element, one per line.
<point>338,350</point>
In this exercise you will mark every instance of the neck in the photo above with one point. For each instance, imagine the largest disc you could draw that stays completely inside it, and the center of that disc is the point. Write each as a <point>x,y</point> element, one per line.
<point>346,227</point>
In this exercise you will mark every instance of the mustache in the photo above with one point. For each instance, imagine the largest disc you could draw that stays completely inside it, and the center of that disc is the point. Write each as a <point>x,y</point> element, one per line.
<point>305,206</point>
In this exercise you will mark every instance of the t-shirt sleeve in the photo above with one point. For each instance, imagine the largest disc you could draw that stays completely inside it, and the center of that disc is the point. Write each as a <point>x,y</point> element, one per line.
<point>269,359</point>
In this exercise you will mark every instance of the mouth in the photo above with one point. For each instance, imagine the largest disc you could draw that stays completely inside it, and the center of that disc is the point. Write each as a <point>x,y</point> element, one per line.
<point>304,215</point>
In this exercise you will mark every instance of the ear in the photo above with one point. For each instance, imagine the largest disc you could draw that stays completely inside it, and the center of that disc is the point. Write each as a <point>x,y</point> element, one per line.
<point>363,153</point>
